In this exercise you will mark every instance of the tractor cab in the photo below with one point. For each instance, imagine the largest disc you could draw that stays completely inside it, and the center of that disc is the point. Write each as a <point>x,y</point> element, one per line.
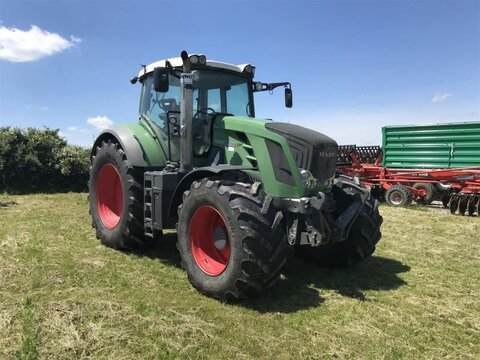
<point>219,89</point>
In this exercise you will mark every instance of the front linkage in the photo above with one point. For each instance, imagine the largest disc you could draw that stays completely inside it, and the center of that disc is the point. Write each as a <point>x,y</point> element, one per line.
<point>324,218</point>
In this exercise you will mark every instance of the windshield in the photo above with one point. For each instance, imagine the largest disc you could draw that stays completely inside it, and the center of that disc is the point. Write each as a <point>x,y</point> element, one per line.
<point>222,92</point>
<point>214,92</point>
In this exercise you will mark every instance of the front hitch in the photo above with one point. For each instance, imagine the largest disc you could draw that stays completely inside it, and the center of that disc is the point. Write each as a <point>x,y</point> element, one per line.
<point>324,218</point>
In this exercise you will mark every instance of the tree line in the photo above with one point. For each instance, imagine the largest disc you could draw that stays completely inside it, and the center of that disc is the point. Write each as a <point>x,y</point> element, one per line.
<point>40,160</point>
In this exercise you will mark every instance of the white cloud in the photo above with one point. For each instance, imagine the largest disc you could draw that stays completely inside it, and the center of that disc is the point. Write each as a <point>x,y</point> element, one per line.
<point>100,122</point>
<point>441,97</point>
<point>44,108</point>
<point>30,45</point>
<point>77,129</point>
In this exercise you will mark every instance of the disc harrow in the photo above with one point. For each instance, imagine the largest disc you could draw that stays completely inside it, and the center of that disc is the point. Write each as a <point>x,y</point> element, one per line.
<point>465,204</point>
<point>458,189</point>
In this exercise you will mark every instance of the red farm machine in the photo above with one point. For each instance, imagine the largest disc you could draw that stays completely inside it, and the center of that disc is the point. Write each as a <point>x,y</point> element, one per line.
<point>421,164</point>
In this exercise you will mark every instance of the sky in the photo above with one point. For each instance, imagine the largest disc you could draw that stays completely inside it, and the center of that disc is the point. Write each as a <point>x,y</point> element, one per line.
<point>355,66</point>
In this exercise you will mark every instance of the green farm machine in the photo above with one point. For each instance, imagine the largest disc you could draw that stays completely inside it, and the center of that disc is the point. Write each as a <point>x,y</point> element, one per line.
<point>242,192</point>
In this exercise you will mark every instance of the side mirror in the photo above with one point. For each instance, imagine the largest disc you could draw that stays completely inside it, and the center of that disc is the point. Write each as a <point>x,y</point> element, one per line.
<point>160,79</point>
<point>288,98</point>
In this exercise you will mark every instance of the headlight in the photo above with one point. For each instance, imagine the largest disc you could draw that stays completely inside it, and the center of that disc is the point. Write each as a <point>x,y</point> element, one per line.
<point>310,181</point>
<point>202,59</point>
<point>194,59</point>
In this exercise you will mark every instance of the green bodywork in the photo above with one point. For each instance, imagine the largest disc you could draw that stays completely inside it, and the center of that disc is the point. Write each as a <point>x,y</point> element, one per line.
<point>229,133</point>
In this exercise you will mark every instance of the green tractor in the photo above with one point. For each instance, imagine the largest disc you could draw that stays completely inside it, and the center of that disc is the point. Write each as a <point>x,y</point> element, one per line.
<point>241,191</point>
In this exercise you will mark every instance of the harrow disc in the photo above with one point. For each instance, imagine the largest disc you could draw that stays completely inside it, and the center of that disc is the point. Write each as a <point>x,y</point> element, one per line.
<point>462,204</point>
<point>472,201</point>
<point>478,206</point>
<point>453,204</point>
<point>445,201</point>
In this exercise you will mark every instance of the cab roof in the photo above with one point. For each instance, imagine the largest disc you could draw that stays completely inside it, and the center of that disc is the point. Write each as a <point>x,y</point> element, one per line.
<point>178,63</point>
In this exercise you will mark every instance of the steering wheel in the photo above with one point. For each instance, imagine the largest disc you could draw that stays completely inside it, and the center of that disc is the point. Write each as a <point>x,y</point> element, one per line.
<point>204,111</point>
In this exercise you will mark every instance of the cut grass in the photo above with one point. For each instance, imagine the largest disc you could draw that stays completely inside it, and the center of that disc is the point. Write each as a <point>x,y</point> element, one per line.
<point>63,295</point>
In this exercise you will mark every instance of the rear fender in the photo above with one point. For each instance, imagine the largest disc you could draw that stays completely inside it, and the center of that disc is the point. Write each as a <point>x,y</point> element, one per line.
<point>141,148</point>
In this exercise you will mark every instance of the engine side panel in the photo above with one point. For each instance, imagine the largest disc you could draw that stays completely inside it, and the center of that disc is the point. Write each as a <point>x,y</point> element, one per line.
<point>245,142</point>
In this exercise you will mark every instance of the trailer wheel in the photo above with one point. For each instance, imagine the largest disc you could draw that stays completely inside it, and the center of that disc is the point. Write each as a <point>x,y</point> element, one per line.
<point>360,244</point>
<point>231,239</point>
<point>398,195</point>
<point>116,198</point>
<point>453,204</point>
<point>427,193</point>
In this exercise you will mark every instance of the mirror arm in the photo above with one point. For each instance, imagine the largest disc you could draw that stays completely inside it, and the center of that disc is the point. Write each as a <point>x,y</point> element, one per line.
<point>171,69</point>
<point>271,86</point>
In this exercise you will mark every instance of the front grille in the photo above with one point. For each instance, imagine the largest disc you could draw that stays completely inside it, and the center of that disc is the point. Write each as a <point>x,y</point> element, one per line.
<point>311,150</point>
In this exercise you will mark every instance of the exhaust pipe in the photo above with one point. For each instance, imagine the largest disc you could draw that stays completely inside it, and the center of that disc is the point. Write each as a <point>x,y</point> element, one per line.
<point>186,116</point>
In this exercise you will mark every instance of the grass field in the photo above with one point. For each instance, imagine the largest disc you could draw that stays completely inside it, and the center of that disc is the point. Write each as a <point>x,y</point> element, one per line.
<point>63,295</point>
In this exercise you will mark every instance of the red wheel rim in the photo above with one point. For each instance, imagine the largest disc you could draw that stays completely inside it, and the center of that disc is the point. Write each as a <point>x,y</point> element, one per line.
<point>209,240</point>
<point>396,198</point>
<point>109,196</point>
<point>422,192</point>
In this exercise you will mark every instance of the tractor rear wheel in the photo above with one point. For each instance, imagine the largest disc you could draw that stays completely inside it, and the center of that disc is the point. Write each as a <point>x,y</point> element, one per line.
<point>398,195</point>
<point>427,193</point>
<point>116,198</point>
<point>360,244</point>
<point>231,238</point>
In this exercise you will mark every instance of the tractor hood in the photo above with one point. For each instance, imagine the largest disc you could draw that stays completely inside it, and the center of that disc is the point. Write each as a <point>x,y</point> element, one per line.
<point>311,150</point>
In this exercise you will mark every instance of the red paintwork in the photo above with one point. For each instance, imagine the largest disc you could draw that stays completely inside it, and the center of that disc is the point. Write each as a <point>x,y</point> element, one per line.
<point>205,220</point>
<point>109,196</point>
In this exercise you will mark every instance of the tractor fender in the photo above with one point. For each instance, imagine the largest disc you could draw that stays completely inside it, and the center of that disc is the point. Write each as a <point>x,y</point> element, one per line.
<point>127,141</point>
<point>197,174</point>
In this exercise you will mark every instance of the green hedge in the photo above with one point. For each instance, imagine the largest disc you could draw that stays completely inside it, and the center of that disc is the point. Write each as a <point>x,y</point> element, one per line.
<point>39,160</point>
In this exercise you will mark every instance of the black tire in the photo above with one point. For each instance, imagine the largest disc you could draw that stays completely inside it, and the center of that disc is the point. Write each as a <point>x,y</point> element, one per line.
<point>360,244</point>
<point>398,196</point>
<point>254,232</point>
<point>117,187</point>
<point>429,190</point>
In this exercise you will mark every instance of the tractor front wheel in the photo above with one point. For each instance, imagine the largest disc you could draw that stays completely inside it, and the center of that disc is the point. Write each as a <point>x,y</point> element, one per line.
<point>116,198</point>
<point>231,238</point>
<point>360,244</point>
